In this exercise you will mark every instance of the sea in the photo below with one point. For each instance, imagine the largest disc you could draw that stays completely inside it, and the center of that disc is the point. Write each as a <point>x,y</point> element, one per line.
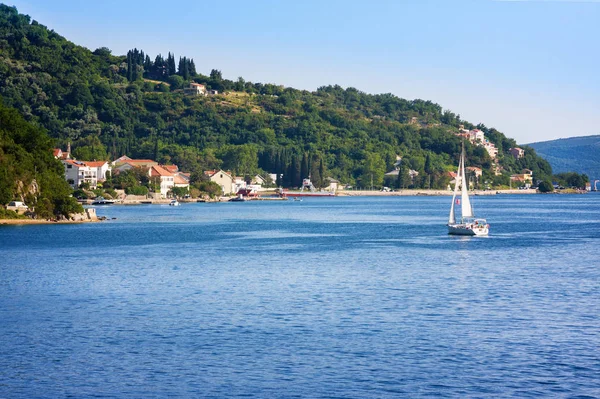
<point>346,297</point>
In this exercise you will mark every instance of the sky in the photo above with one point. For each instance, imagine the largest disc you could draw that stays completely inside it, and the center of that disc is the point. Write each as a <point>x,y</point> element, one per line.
<point>529,68</point>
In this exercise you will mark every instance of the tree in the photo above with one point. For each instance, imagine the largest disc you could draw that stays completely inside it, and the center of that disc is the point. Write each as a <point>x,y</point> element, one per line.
<point>176,82</point>
<point>373,170</point>
<point>546,186</point>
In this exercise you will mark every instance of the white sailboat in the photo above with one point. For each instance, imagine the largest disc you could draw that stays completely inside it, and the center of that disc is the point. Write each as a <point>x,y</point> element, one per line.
<point>468,225</point>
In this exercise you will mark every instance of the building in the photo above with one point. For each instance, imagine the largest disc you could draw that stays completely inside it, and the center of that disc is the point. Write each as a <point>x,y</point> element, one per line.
<point>475,171</point>
<point>195,89</point>
<point>238,184</point>
<point>167,179</point>
<point>181,180</point>
<point>122,166</point>
<point>60,154</point>
<point>476,136</point>
<point>222,178</point>
<point>259,180</point>
<point>517,152</point>
<point>525,177</point>
<point>78,173</point>
<point>101,168</point>
<point>332,184</point>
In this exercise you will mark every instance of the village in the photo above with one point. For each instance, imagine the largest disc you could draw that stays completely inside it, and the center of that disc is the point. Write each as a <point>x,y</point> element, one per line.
<point>171,181</point>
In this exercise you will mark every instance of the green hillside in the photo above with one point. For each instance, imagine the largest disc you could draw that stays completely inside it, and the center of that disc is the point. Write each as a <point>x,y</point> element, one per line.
<point>28,170</point>
<point>107,106</point>
<point>578,154</point>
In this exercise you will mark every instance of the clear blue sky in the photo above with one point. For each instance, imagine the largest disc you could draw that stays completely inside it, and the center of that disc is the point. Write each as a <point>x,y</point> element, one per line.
<point>528,68</point>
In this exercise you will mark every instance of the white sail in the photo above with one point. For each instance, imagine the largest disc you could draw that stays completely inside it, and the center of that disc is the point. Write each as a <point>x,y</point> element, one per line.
<point>452,217</point>
<point>466,209</point>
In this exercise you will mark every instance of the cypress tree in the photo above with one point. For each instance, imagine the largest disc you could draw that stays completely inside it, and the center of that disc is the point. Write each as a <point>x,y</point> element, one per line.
<point>171,64</point>
<point>315,176</point>
<point>192,68</point>
<point>180,67</point>
<point>304,167</point>
<point>322,173</point>
<point>129,67</point>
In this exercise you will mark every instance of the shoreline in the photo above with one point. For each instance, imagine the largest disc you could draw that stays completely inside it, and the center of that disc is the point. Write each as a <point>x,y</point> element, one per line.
<point>426,192</point>
<point>15,222</point>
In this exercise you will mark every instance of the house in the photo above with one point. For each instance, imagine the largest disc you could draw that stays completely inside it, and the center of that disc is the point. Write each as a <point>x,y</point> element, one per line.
<point>171,168</point>
<point>213,92</point>
<point>122,166</point>
<point>259,180</point>
<point>525,177</point>
<point>517,152</point>
<point>195,89</point>
<point>101,168</point>
<point>180,180</point>
<point>475,171</point>
<point>78,173</point>
<point>476,136</point>
<point>60,154</point>
<point>222,178</point>
<point>167,179</point>
<point>490,148</point>
<point>332,184</point>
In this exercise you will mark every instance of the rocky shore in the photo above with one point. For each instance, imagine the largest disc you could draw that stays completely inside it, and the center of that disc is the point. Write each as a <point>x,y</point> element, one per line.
<point>87,216</point>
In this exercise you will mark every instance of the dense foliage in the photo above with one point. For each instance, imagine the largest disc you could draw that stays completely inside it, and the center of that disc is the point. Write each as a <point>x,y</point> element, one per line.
<point>107,106</point>
<point>28,170</point>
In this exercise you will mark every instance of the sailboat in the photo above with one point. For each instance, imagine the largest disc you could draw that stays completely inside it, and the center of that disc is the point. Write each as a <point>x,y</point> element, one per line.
<point>468,225</point>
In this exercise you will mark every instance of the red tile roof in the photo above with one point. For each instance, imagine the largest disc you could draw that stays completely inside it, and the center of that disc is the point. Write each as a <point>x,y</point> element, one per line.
<point>180,180</point>
<point>171,168</point>
<point>95,164</point>
<point>159,171</point>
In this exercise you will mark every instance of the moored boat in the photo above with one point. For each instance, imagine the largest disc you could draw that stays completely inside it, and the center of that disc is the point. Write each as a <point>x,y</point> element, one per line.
<point>102,201</point>
<point>174,203</point>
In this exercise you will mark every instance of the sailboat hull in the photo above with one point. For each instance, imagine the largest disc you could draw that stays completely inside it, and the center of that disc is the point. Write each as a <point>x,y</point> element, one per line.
<point>468,229</point>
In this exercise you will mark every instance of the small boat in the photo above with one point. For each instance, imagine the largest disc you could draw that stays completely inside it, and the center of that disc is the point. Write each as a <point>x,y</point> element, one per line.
<point>239,198</point>
<point>174,203</point>
<point>102,201</point>
<point>468,225</point>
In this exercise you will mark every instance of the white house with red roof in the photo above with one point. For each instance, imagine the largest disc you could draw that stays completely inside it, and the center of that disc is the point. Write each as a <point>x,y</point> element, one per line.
<point>78,172</point>
<point>167,179</point>
<point>195,89</point>
<point>101,168</point>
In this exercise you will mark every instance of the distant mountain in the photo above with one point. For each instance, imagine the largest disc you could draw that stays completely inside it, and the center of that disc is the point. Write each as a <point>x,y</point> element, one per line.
<point>575,154</point>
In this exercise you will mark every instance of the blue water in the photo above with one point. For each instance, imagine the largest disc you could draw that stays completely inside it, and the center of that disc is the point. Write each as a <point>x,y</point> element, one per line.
<point>324,298</point>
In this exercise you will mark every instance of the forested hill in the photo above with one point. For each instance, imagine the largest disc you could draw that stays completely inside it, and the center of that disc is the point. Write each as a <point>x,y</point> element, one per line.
<point>578,154</point>
<point>107,106</point>
<point>28,170</point>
